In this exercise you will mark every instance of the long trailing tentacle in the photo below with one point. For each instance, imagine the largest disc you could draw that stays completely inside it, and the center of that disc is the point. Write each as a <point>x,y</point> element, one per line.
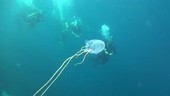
<point>60,68</point>
<point>66,63</point>
<point>59,71</point>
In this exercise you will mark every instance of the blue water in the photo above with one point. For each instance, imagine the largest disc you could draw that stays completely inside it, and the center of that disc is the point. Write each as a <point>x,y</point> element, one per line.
<point>141,66</point>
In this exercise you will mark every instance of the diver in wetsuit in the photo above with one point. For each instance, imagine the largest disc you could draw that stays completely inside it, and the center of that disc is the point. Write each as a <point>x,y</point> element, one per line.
<point>74,26</point>
<point>34,17</point>
<point>110,48</point>
<point>28,17</point>
<point>104,56</point>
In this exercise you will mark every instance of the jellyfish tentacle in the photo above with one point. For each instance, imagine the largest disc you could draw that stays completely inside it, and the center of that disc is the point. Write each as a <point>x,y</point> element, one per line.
<point>60,68</point>
<point>82,59</point>
<point>66,62</point>
<point>54,77</point>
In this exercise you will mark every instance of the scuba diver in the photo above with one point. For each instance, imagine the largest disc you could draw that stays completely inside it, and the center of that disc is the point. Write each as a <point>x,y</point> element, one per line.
<point>28,17</point>
<point>74,26</point>
<point>34,17</point>
<point>104,56</point>
<point>110,48</point>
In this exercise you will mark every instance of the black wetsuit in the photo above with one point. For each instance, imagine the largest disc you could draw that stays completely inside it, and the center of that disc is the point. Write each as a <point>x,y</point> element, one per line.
<point>104,56</point>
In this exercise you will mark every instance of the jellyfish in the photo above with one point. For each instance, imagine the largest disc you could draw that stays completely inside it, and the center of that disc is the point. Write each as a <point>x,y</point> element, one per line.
<point>93,46</point>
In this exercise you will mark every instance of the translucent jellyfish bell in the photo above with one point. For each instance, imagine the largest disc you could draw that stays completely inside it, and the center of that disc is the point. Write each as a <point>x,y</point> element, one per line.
<point>94,46</point>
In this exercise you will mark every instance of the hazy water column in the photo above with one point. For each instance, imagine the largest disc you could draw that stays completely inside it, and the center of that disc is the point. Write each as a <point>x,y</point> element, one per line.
<point>63,9</point>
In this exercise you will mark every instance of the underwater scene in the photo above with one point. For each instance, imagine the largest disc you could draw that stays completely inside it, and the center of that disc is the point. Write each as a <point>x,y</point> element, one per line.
<point>84,48</point>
